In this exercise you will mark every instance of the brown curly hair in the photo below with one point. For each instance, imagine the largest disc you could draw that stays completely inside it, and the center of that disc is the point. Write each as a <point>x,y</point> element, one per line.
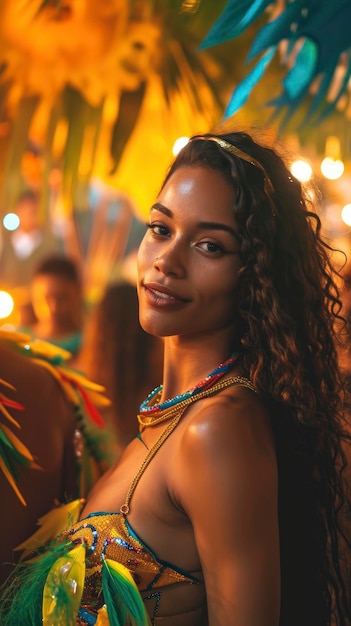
<point>289,304</point>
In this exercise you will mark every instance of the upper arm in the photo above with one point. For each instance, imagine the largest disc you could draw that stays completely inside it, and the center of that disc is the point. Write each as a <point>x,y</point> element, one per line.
<point>228,488</point>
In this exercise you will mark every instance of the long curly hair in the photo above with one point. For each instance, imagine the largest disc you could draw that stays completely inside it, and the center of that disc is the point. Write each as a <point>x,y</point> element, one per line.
<point>289,308</point>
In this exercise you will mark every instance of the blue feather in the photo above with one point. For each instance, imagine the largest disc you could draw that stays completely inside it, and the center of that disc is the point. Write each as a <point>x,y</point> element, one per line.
<point>236,17</point>
<point>301,75</point>
<point>274,32</point>
<point>243,90</point>
<point>322,25</point>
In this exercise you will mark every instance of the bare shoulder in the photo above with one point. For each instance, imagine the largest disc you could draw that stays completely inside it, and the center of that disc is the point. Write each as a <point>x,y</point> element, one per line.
<point>46,407</point>
<point>22,371</point>
<point>234,418</point>
<point>227,441</point>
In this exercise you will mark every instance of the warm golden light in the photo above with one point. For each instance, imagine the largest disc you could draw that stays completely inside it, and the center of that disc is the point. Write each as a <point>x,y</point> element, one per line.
<point>179,144</point>
<point>6,304</point>
<point>332,168</point>
<point>346,214</point>
<point>302,170</point>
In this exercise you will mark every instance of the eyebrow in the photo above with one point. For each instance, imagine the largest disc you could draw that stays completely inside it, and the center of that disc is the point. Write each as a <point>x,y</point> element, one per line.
<point>206,225</point>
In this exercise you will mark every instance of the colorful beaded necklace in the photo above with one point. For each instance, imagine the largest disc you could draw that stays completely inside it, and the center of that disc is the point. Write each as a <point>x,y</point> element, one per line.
<point>152,413</point>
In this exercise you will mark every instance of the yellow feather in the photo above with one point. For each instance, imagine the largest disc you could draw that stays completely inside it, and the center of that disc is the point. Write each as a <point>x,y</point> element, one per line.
<point>121,570</point>
<point>46,349</point>
<point>4,382</point>
<point>14,336</point>
<point>17,443</point>
<point>12,481</point>
<point>51,525</point>
<point>8,415</point>
<point>82,380</point>
<point>97,399</point>
<point>102,617</point>
<point>69,573</point>
<point>55,371</point>
<point>48,366</point>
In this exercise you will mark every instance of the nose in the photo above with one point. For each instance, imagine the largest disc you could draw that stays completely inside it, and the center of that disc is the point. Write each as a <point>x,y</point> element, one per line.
<point>171,262</point>
<point>52,305</point>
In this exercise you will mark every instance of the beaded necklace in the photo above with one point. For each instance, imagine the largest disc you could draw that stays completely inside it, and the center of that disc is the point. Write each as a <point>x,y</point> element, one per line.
<point>152,413</point>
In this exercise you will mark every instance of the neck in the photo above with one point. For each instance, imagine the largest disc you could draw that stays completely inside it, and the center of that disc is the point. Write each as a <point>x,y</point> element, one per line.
<point>185,364</point>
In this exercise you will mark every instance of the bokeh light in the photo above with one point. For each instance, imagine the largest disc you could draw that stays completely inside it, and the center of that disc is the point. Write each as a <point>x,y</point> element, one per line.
<point>179,144</point>
<point>346,214</point>
<point>11,221</point>
<point>332,168</point>
<point>6,304</point>
<point>302,170</point>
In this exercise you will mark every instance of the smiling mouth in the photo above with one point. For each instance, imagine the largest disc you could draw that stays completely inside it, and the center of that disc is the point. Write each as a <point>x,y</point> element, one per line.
<point>162,299</point>
<point>161,294</point>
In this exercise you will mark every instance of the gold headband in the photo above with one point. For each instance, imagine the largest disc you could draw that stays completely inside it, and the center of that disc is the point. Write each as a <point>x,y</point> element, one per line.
<point>268,185</point>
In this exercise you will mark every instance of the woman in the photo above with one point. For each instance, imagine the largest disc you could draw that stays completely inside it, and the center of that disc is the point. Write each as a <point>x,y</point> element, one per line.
<point>227,509</point>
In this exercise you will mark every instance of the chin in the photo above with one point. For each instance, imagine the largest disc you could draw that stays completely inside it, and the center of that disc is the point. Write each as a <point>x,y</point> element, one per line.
<point>157,328</point>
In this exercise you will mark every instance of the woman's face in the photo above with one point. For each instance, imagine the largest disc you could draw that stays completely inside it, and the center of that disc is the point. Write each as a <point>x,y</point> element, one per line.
<point>188,261</point>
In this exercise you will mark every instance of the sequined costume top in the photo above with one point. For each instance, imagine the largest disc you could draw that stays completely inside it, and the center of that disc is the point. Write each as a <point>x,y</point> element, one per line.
<point>109,535</point>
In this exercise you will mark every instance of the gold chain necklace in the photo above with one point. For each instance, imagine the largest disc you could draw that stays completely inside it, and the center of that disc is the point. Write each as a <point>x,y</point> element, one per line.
<point>150,420</point>
<point>176,412</point>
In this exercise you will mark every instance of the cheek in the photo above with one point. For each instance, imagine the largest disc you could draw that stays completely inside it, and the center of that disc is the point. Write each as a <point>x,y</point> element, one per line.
<point>221,298</point>
<point>143,258</point>
<point>219,284</point>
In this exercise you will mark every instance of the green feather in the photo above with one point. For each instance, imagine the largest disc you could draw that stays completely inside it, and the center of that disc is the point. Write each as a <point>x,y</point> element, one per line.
<point>123,601</point>
<point>21,595</point>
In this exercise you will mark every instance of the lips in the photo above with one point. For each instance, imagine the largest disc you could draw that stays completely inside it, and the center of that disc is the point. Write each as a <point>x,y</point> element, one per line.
<point>159,296</point>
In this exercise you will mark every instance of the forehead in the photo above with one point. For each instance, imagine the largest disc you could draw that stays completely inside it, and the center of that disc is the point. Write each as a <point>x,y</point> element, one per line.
<point>27,204</point>
<point>200,189</point>
<point>53,282</point>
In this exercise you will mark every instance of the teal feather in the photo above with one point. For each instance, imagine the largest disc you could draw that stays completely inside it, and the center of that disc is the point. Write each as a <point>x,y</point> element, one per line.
<point>272,33</point>
<point>324,26</point>
<point>124,603</point>
<point>234,20</point>
<point>321,16</point>
<point>244,88</point>
<point>301,74</point>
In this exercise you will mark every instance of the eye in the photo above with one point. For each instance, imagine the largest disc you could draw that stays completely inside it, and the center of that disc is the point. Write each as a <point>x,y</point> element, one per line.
<point>211,247</point>
<point>158,229</point>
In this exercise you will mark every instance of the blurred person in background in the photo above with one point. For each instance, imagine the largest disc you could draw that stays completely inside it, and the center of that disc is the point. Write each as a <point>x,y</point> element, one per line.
<point>57,301</point>
<point>118,354</point>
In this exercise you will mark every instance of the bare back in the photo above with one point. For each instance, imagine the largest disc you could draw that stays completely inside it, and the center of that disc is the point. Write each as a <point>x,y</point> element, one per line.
<point>47,427</point>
